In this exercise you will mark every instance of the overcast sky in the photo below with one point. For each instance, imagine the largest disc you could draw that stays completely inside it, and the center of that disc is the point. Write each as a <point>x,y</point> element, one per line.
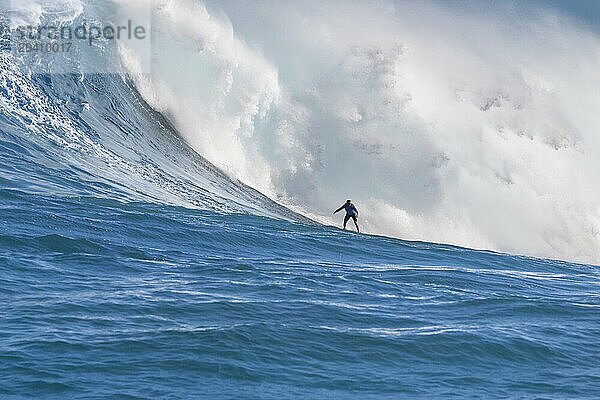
<point>586,11</point>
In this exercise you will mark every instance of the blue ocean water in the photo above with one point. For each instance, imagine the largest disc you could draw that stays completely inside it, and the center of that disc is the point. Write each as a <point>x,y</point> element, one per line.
<point>130,267</point>
<point>105,299</point>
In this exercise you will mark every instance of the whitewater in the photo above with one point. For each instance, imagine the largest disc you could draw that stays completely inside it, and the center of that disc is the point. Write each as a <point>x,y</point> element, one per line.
<point>165,204</point>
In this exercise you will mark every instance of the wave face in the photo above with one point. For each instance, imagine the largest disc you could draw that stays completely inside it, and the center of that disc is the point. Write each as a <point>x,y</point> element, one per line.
<point>139,260</point>
<point>443,121</point>
<point>69,132</point>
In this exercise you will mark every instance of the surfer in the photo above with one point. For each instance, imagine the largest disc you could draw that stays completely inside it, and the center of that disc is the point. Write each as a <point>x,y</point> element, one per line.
<point>351,212</point>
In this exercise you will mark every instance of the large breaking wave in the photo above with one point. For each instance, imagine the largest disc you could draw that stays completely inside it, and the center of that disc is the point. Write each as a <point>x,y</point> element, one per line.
<point>443,121</point>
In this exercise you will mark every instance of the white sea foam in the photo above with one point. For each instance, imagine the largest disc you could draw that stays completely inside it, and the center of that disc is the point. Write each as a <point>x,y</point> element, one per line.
<point>442,123</point>
<point>32,12</point>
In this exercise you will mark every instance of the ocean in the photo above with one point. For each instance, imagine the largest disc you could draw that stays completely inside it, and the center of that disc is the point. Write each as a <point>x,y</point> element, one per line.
<point>133,268</point>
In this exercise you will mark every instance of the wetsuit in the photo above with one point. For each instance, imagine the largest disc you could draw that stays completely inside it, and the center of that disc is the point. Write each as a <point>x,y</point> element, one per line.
<point>351,212</point>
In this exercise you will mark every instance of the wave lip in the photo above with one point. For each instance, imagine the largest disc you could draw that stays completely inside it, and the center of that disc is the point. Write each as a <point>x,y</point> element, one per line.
<point>384,111</point>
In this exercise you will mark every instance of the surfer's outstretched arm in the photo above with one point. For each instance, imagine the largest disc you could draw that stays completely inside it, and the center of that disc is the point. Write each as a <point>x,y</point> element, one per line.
<point>339,209</point>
